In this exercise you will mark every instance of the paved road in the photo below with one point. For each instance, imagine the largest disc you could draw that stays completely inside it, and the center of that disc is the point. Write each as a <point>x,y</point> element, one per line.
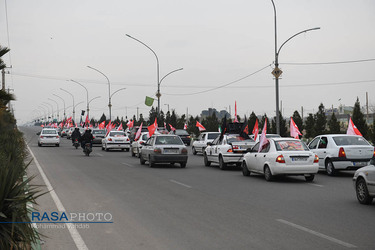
<point>198,207</point>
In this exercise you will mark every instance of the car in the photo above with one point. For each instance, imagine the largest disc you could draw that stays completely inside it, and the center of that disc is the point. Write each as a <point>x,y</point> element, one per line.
<point>69,133</point>
<point>227,150</point>
<point>134,131</point>
<point>281,156</point>
<point>48,136</point>
<point>116,140</point>
<point>267,136</point>
<point>136,146</point>
<point>341,152</point>
<point>162,130</point>
<point>64,132</point>
<point>201,143</point>
<point>364,183</point>
<point>98,135</point>
<point>163,148</point>
<point>183,134</point>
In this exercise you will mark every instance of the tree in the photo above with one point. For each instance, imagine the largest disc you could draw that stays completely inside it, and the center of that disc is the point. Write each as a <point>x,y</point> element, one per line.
<point>372,131</point>
<point>173,120</point>
<point>192,128</point>
<point>321,121</point>
<point>251,122</point>
<point>359,119</point>
<point>310,126</point>
<point>102,118</point>
<point>152,115</point>
<point>261,123</point>
<point>283,128</point>
<point>211,123</point>
<point>3,51</point>
<point>334,125</point>
<point>181,122</point>
<point>298,120</point>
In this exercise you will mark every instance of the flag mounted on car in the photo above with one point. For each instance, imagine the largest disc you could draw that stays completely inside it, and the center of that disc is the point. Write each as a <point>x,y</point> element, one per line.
<point>255,130</point>
<point>200,126</point>
<point>352,129</point>
<point>294,131</point>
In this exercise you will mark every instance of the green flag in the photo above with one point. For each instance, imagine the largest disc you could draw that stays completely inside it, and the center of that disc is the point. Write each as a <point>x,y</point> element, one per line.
<point>149,101</point>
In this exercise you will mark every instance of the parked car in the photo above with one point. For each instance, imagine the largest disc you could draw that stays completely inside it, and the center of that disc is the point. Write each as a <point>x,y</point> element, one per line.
<point>227,150</point>
<point>116,140</point>
<point>136,146</point>
<point>201,143</point>
<point>164,149</point>
<point>98,135</point>
<point>48,136</point>
<point>364,183</point>
<point>341,152</point>
<point>281,156</point>
<point>183,134</point>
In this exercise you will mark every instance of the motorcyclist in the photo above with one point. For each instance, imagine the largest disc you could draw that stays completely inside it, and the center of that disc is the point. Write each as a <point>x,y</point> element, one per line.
<point>87,137</point>
<point>76,135</point>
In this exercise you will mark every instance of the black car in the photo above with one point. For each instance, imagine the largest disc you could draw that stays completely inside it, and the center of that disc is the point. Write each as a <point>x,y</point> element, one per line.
<point>183,134</point>
<point>98,134</point>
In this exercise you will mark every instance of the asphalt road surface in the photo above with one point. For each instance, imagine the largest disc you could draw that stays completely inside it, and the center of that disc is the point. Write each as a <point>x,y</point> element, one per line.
<point>193,208</point>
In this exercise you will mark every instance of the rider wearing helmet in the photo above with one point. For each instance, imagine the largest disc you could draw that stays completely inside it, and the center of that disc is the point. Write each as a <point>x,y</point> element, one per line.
<point>76,135</point>
<point>87,137</point>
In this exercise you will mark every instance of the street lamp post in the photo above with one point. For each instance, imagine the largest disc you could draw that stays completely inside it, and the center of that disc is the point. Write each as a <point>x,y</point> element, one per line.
<point>168,106</point>
<point>74,113</point>
<point>44,105</point>
<point>277,72</point>
<point>63,102</point>
<point>51,109</point>
<point>109,90</point>
<point>57,111</point>
<point>87,96</point>
<point>157,69</point>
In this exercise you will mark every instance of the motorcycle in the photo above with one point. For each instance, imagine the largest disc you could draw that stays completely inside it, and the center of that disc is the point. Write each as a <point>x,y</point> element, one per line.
<point>76,143</point>
<point>87,150</point>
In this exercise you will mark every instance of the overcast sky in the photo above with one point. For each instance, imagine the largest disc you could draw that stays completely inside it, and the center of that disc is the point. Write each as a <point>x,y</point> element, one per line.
<point>216,42</point>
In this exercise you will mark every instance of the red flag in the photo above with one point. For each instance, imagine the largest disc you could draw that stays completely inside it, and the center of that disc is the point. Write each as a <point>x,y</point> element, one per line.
<point>109,127</point>
<point>138,134</point>
<point>352,129</point>
<point>120,127</point>
<point>255,130</point>
<point>200,126</point>
<point>294,131</point>
<point>235,112</point>
<point>185,126</point>
<point>152,128</point>
<point>130,124</point>
<point>172,128</point>
<point>263,139</point>
<point>102,125</point>
<point>246,130</point>
<point>165,125</point>
<point>87,121</point>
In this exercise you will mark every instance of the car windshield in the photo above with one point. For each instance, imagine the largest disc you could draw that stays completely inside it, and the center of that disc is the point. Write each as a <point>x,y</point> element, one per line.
<point>49,132</point>
<point>98,132</point>
<point>116,133</point>
<point>213,136</point>
<point>237,138</point>
<point>349,140</point>
<point>145,137</point>
<point>171,140</point>
<point>290,146</point>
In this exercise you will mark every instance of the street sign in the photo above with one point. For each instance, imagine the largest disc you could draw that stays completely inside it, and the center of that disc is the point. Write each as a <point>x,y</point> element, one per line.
<point>276,72</point>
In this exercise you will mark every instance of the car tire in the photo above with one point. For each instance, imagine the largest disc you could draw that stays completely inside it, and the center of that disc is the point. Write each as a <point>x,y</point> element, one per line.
<point>222,164</point>
<point>194,151</point>
<point>245,170</point>
<point>362,192</point>
<point>133,154</point>
<point>127,149</point>
<point>268,174</point>
<point>102,147</point>
<point>207,163</point>
<point>39,145</point>
<point>309,178</point>
<point>57,145</point>
<point>331,171</point>
<point>106,149</point>
<point>183,164</point>
<point>141,160</point>
<point>138,153</point>
<point>151,164</point>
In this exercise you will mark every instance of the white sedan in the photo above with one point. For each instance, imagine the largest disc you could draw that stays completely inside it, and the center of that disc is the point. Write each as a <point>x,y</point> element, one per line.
<point>364,184</point>
<point>48,136</point>
<point>137,145</point>
<point>116,140</point>
<point>281,156</point>
<point>201,143</point>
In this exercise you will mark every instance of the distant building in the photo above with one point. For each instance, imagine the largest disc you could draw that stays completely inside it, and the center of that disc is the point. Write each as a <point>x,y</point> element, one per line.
<point>211,111</point>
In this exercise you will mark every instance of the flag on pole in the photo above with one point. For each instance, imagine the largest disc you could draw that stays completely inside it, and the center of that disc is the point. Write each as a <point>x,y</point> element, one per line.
<point>172,128</point>
<point>255,130</point>
<point>101,125</point>
<point>152,128</point>
<point>200,126</point>
<point>352,129</point>
<point>130,124</point>
<point>165,125</point>
<point>149,101</point>
<point>294,131</point>
<point>235,112</point>
<point>138,134</point>
<point>120,127</point>
<point>185,126</point>
<point>87,121</point>
<point>263,139</point>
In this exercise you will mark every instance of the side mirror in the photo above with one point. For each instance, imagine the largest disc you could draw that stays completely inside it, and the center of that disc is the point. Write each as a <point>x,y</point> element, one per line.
<point>248,150</point>
<point>209,143</point>
<point>38,133</point>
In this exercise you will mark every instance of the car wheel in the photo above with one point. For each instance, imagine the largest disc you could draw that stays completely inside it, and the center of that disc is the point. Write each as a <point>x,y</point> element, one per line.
<point>267,174</point>
<point>133,154</point>
<point>122,149</point>
<point>127,149</point>
<point>222,164</point>
<point>138,153</point>
<point>207,163</point>
<point>309,178</point>
<point>102,147</point>
<point>245,170</point>
<point>362,192</point>
<point>183,164</point>
<point>194,151</point>
<point>331,171</point>
<point>151,164</point>
<point>39,145</point>
<point>106,149</point>
<point>57,145</point>
<point>141,160</point>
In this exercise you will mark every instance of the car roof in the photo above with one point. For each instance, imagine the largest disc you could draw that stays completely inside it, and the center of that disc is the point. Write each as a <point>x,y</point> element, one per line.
<point>283,139</point>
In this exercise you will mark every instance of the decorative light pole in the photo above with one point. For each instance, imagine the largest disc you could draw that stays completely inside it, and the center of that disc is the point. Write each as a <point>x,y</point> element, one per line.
<point>57,111</point>
<point>63,102</point>
<point>87,96</point>
<point>74,113</point>
<point>51,109</point>
<point>277,72</point>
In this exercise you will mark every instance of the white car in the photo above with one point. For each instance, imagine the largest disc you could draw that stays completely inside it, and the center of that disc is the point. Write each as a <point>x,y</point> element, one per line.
<point>267,136</point>
<point>201,143</point>
<point>227,149</point>
<point>281,156</point>
<point>364,184</point>
<point>48,136</point>
<point>341,152</point>
<point>137,145</point>
<point>116,140</point>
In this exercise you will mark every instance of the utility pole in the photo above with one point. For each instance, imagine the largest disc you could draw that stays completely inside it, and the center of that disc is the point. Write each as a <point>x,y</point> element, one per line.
<point>367,108</point>
<point>137,113</point>
<point>13,90</point>
<point>302,112</point>
<point>3,79</point>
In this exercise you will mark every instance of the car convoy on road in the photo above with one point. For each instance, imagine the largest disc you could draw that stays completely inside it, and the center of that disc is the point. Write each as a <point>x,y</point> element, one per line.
<point>278,156</point>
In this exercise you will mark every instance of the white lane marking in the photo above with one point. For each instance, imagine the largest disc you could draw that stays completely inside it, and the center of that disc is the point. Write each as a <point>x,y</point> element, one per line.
<point>342,243</point>
<point>316,185</point>
<point>179,183</point>
<point>80,244</point>
<point>126,164</point>
<point>99,154</point>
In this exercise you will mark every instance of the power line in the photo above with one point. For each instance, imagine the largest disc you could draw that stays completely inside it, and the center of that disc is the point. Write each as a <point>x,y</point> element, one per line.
<point>326,63</point>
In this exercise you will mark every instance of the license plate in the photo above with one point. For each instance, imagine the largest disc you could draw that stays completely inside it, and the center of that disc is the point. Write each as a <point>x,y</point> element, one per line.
<point>119,141</point>
<point>299,158</point>
<point>170,151</point>
<point>361,163</point>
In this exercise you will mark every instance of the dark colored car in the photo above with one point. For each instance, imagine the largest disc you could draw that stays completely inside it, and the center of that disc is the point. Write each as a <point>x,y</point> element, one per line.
<point>98,134</point>
<point>183,134</point>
